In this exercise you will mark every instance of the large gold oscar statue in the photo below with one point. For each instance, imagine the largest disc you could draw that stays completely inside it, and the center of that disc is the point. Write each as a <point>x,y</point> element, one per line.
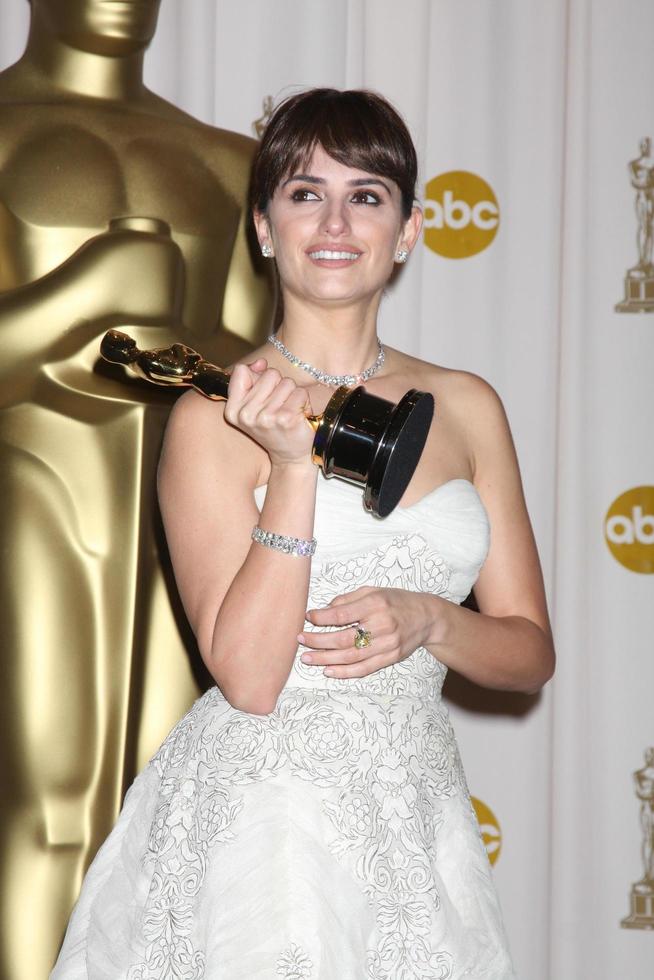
<point>116,209</point>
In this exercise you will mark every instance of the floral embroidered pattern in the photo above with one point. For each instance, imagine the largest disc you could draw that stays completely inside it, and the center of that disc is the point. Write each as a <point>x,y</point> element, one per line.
<point>293,964</point>
<point>194,813</point>
<point>387,818</point>
<point>380,750</point>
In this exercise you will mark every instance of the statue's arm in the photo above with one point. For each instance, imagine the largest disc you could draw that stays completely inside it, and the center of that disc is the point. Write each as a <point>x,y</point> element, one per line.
<point>249,296</point>
<point>116,277</point>
<point>250,293</point>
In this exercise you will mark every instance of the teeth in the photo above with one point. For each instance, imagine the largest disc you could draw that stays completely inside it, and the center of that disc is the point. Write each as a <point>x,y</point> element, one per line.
<point>324,253</point>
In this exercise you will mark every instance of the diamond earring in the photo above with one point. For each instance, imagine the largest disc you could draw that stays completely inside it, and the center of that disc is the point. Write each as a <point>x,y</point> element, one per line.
<point>401,255</point>
<point>266,250</point>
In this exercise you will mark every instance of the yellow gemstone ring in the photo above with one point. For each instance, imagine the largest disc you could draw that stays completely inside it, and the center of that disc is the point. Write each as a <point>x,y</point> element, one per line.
<point>362,637</point>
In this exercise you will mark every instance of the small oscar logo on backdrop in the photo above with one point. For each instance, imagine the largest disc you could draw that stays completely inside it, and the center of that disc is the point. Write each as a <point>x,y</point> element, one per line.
<point>639,281</point>
<point>642,892</point>
<point>629,529</point>
<point>461,214</point>
<point>490,829</point>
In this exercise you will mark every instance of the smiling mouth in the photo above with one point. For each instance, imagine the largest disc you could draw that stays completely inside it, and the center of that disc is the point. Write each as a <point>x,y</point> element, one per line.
<point>333,256</point>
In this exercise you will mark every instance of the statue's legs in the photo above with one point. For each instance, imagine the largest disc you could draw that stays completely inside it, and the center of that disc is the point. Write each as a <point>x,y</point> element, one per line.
<point>83,611</point>
<point>645,233</point>
<point>649,229</point>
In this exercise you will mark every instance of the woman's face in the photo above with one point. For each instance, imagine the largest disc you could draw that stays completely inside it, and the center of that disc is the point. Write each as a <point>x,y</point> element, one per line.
<point>335,231</point>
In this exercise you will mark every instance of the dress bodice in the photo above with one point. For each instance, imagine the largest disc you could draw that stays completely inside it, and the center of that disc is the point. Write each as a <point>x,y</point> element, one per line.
<point>436,545</point>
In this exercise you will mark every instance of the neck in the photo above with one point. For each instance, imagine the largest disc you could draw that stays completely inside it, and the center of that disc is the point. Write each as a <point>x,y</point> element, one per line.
<point>83,73</point>
<point>336,341</point>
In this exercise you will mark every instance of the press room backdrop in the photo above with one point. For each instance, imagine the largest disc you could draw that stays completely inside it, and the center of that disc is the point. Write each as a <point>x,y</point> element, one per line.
<point>526,116</point>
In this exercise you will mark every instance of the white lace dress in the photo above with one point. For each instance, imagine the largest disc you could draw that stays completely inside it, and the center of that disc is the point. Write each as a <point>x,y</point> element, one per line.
<point>331,840</point>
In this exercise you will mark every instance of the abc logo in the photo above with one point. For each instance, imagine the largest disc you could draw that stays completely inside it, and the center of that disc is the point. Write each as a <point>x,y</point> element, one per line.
<point>490,829</point>
<point>629,529</point>
<point>461,214</point>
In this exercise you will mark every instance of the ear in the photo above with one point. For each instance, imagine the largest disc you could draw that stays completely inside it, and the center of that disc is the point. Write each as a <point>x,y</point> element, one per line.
<point>410,229</point>
<point>262,226</point>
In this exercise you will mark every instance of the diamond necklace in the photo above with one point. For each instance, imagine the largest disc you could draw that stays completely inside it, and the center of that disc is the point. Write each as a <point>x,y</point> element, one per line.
<point>331,380</point>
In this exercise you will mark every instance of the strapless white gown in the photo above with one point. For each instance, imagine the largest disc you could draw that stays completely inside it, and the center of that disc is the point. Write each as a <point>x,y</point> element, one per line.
<point>331,840</point>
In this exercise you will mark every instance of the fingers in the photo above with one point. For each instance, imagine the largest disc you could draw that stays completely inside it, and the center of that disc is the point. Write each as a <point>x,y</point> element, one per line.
<point>332,640</point>
<point>265,397</point>
<point>393,617</point>
<point>348,610</point>
<point>334,649</point>
<point>283,406</point>
<point>331,658</point>
<point>263,387</point>
<point>324,649</point>
<point>241,381</point>
<point>351,596</point>
<point>272,410</point>
<point>257,393</point>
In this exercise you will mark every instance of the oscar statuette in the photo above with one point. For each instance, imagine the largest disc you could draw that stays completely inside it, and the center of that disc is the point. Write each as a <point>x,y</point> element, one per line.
<point>359,437</point>
<point>639,281</point>
<point>642,892</point>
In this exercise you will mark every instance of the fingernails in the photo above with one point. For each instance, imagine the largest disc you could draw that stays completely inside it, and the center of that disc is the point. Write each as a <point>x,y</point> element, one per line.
<point>328,672</point>
<point>300,637</point>
<point>306,658</point>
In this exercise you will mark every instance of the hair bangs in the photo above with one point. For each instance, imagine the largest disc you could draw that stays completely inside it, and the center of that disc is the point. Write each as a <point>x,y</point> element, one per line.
<point>356,128</point>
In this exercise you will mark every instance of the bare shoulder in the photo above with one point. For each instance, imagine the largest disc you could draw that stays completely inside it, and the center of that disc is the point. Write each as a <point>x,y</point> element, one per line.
<point>197,419</point>
<point>472,398</point>
<point>460,393</point>
<point>468,407</point>
<point>199,436</point>
<point>476,410</point>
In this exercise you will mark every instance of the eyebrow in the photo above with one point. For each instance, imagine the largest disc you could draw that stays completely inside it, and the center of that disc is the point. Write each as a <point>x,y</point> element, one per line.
<point>357,182</point>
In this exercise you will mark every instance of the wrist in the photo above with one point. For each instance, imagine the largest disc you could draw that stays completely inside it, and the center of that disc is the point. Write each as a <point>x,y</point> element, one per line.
<point>439,621</point>
<point>290,499</point>
<point>299,470</point>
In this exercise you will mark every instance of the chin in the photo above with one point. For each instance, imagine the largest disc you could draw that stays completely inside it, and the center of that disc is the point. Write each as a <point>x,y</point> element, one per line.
<point>113,28</point>
<point>345,297</point>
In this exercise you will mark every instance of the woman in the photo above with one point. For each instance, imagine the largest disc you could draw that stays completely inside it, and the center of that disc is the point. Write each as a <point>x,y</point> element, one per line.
<point>309,817</point>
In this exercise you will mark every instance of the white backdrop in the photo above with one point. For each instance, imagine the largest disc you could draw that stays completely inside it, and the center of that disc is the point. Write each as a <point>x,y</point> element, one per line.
<point>547,104</point>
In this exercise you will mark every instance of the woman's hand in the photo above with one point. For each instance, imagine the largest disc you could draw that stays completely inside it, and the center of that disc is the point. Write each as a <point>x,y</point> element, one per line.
<point>399,622</point>
<point>271,409</point>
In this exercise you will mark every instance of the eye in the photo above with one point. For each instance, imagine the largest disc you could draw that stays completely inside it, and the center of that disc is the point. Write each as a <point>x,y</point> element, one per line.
<point>366,197</point>
<point>304,194</point>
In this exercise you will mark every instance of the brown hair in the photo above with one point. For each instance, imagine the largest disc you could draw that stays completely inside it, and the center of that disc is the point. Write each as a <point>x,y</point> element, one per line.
<point>356,127</point>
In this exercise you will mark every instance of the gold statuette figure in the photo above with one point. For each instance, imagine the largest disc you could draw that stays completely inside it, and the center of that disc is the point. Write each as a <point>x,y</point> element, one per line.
<point>116,209</point>
<point>642,892</point>
<point>639,281</point>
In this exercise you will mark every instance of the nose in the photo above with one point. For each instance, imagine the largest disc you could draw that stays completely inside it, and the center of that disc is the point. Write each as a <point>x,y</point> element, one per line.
<point>335,220</point>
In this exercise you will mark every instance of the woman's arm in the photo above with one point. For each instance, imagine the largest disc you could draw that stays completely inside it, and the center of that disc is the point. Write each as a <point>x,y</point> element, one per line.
<point>508,644</point>
<point>245,602</point>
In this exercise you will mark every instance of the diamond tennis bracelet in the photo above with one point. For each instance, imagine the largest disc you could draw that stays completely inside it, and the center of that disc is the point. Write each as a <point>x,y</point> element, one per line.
<point>297,547</point>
